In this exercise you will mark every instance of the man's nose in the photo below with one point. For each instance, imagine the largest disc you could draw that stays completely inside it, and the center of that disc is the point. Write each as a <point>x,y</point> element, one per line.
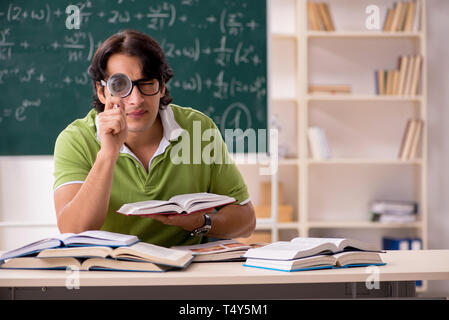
<point>135,97</point>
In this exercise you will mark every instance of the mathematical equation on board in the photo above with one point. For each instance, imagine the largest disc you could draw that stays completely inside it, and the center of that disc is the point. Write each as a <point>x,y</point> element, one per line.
<point>228,48</point>
<point>156,17</point>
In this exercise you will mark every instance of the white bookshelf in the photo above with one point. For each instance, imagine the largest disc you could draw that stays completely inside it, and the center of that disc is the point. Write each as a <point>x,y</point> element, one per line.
<point>325,195</point>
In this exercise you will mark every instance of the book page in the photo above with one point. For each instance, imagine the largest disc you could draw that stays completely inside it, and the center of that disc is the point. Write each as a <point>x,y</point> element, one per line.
<point>186,200</point>
<point>149,250</point>
<point>99,236</point>
<point>214,247</point>
<point>313,242</point>
<point>285,250</point>
<point>142,205</point>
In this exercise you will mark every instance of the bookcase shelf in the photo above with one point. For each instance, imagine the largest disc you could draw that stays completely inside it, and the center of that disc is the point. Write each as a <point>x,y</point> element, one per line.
<point>361,225</point>
<point>366,97</point>
<point>363,34</point>
<point>331,197</point>
<point>361,161</point>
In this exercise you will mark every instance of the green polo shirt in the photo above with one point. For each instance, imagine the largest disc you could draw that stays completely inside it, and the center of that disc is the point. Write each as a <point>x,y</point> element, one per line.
<point>176,168</point>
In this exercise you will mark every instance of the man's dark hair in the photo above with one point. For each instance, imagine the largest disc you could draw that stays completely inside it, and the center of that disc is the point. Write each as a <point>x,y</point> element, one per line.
<point>137,44</point>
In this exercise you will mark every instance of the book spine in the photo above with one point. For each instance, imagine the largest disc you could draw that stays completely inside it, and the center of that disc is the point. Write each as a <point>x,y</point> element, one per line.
<point>314,144</point>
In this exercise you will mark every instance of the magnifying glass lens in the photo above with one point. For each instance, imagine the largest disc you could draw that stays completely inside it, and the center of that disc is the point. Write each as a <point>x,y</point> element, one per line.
<point>119,85</point>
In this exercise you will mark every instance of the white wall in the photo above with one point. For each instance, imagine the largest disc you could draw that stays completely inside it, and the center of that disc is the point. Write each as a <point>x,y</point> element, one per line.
<point>438,113</point>
<point>26,198</point>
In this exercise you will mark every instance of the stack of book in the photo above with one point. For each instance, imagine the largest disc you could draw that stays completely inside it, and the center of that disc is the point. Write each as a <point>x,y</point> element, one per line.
<point>388,211</point>
<point>401,82</point>
<point>318,143</point>
<point>411,139</point>
<point>404,16</point>
<point>319,17</point>
<point>221,250</point>
<point>330,89</point>
<point>301,254</point>
<point>95,250</point>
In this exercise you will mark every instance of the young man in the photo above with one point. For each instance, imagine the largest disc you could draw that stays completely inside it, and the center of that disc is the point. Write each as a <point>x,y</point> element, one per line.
<point>120,153</point>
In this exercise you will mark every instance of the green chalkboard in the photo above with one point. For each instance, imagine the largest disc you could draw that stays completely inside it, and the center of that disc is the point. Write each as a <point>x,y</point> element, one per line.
<point>217,49</point>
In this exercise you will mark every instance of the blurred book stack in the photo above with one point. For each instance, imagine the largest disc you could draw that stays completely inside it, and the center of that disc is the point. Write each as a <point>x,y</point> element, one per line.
<point>318,144</point>
<point>319,17</point>
<point>390,211</point>
<point>403,81</point>
<point>403,17</point>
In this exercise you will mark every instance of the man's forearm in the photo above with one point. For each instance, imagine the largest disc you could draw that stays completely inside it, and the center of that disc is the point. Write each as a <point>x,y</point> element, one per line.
<point>88,208</point>
<point>233,221</point>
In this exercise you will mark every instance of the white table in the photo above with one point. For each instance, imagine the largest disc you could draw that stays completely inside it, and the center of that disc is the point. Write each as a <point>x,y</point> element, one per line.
<point>231,280</point>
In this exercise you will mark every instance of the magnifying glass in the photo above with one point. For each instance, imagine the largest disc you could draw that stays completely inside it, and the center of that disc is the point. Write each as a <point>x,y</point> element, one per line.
<point>119,84</point>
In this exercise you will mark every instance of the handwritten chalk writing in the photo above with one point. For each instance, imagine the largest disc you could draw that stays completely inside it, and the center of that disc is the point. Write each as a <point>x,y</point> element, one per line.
<point>236,115</point>
<point>223,54</point>
<point>222,89</point>
<point>172,51</point>
<point>79,44</point>
<point>119,17</point>
<point>20,112</point>
<point>5,45</point>
<point>18,14</point>
<point>161,15</point>
<point>217,50</point>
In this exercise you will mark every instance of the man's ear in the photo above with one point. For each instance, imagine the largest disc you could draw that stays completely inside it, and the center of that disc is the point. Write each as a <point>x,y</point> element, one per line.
<point>163,90</point>
<point>100,93</point>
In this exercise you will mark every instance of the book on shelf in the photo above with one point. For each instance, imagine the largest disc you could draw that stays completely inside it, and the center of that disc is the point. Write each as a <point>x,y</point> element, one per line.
<point>329,89</point>
<point>86,238</point>
<point>393,211</point>
<point>325,16</point>
<point>140,256</point>
<point>411,139</point>
<point>318,143</point>
<point>179,204</point>
<point>313,253</point>
<point>417,60</point>
<point>391,243</point>
<point>403,17</point>
<point>403,63</point>
<point>221,250</point>
<point>319,17</point>
<point>403,81</point>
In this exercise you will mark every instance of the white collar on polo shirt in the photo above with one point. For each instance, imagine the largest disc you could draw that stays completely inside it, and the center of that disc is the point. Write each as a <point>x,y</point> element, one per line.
<point>172,131</point>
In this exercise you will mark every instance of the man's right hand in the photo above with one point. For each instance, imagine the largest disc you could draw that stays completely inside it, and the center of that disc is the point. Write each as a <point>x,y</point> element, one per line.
<point>113,129</point>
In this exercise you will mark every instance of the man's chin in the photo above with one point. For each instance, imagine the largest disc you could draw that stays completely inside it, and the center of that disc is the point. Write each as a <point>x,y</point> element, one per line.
<point>138,129</point>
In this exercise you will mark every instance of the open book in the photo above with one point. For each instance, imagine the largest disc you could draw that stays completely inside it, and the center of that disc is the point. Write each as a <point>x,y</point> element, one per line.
<point>305,247</point>
<point>339,260</point>
<point>81,264</point>
<point>222,250</point>
<point>140,256</point>
<point>180,204</point>
<point>86,238</point>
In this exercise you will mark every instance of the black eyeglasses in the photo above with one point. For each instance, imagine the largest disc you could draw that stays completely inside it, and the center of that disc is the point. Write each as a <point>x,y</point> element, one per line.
<point>120,85</point>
